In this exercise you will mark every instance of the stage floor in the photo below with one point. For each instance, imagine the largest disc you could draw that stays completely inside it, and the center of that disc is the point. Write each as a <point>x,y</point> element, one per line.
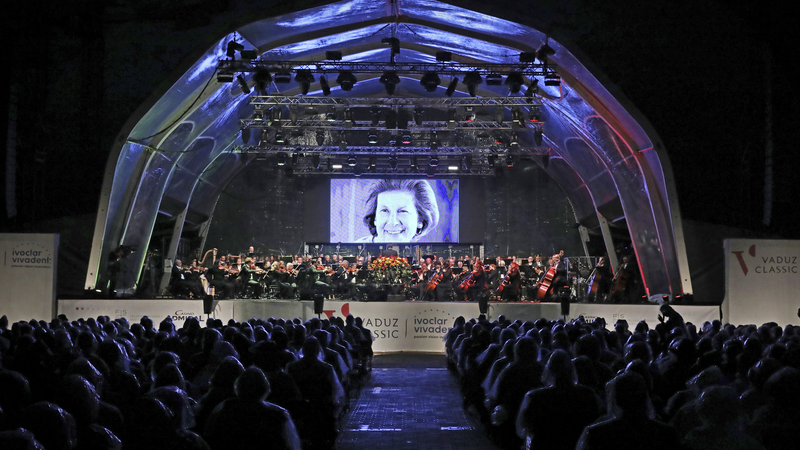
<point>415,326</point>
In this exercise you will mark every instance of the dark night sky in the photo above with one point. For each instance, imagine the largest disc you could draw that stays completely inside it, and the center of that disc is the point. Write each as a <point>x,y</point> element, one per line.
<point>698,71</point>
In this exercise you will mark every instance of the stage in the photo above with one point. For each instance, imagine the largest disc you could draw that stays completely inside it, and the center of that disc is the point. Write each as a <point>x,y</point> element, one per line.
<point>396,326</point>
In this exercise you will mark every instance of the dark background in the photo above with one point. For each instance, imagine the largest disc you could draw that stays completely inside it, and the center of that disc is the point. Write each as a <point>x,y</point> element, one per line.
<point>716,79</point>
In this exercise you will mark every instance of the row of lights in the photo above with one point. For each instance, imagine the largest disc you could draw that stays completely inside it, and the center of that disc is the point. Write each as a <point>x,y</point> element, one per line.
<point>390,78</point>
<point>466,162</point>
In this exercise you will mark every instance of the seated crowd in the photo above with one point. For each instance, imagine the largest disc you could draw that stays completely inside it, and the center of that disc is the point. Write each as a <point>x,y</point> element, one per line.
<point>107,384</point>
<point>578,385</point>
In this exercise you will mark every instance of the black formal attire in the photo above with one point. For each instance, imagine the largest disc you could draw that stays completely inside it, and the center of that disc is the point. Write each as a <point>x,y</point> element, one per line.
<point>444,286</point>
<point>216,278</point>
<point>248,279</point>
<point>389,252</point>
<point>512,289</point>
<point>479,287</point>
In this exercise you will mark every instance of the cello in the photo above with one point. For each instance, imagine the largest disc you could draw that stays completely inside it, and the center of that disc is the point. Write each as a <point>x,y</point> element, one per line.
<point>545,285</point>
<point>434,281</point>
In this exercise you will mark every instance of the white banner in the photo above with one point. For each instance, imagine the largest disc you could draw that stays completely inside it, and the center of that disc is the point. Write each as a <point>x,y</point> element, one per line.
<point>133,310</point>
<point>28,276</point>
<point>762,281</point>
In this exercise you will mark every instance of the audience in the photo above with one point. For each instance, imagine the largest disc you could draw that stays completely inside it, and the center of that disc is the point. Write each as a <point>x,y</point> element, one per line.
<point>98,383</point>
<point>676,385</point>
<point>102,384</point>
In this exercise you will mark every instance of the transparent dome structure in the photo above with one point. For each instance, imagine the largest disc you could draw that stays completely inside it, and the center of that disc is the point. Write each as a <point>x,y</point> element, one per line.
<point>175,155</point>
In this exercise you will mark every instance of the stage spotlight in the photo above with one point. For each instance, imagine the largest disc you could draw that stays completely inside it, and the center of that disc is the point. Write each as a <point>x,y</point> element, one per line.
<point>243,84</point>
<point>280,138</point>
<point>452,168</point>
<point>336,166</point>
<point>499,114</point>
<point>494,79</point>
<point>451,88</point>
<point>333,55</point>
<point>451,118</point>
<point>469,116</point>
<point>491,160</point>
<point>498,140</point>
<point>430,80</point>
<point>546,160</point>
<point>405,138</point>
<point>233,47</point>
<point>276,114</point>
<point>389,80</point>
<point>393,161</point>
<point>472,80</point>
<point>509,161</point>
<point>418,113</point>
<point>330,115</point>
<point>413,163</point>
<point>249,54</point>
<point>444,56</point>
<point>224,77</point>
<point>320,136</point>
<point>258,115</point>
<point>391,119</point>
<point>305,78</point>
<point>434,160</point>
<point>545,51</point>
<point>434,143</point>
<point>262,79</point>
<point>466,162</point>
<point>394,43</point>
<point>373,161</point>
<point>315,161</point>
<point>375,112</point>
<point>514,139</point>
<point>535,115</point>
<point>514,81</point>
<point>264,136</point>
<point>348,118</point>
<point>281,159</point>
<point>346,80</point>
<point>516,116</point>
<point>295,158</point>
<point>372,136</point>
<point>358,170</point>
<point>431,171</point>
<point>533,88</point>
<point>527,57</point>
<point>342,141</point>
<point>352,160</point>
<point>323,83</point>
<point>552,80</point>
<point>538,136</point>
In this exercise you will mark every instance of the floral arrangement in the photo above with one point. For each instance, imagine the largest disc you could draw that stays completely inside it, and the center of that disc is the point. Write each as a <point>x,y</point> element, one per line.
<point>389,270</point>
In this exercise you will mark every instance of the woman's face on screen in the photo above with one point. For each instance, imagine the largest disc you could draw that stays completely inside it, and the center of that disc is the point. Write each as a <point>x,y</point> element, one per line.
<point>396,218</point>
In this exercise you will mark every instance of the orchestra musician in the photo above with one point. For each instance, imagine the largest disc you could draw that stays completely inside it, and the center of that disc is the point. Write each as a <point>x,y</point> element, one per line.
<point>600,281</point>
<point>180,285</point>
<point>248,277</point>
<point>510,286</point>
<point>477,285</point>
<point>445,285</point>
<point>218,280</point>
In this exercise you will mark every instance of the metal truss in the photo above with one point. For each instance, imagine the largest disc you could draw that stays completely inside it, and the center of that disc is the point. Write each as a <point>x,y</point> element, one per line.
<point>386,151</point>
<point>365,126</point>
<point>267,101</point>
<point>227,66</point>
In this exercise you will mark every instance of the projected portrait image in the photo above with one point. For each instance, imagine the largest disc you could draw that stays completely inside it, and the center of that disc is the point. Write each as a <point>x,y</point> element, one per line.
<point>394,210</point>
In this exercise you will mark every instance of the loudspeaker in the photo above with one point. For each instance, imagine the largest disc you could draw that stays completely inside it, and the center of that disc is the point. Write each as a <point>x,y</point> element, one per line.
<point>209,304</point>
<point>483,303</point>
<point>319,303</point>
<point>306,294</point>
<point>564,305</point>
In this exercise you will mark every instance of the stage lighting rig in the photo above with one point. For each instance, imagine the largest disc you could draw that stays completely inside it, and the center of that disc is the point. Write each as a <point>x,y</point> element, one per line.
<point>372,137</point>
<point>243,84</point>
<point>333,55</point>
<point>296,159</point>
<point>451,88</point>
<point>430,81</point>
<point>373,161</point>
<point>418,113</point>
<point>444,56</point>
<point>535,114</point>
<point>472,80</point>
<point>514,81</point>
<point>544,52</point>
<point>390,80</point>
<point>304,78</point>
<point>538,136</point>
<point>393,161</point>
<point>323,84</point>
<point>232,48</point>
<point>281,159</point>
<point>262,79</point>
<point>352,160</point>
<point>494,79</point>
<point>552,80</point>
<point>320,137</point>
<point>466,162</point>
<point>533,88</point>
<point>346,80</point>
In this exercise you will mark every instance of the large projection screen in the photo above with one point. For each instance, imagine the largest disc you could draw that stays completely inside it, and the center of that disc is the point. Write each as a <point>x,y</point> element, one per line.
<point>394,210</point>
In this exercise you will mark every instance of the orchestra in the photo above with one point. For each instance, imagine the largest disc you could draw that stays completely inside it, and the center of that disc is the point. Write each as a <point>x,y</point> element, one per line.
<point>432,278</point>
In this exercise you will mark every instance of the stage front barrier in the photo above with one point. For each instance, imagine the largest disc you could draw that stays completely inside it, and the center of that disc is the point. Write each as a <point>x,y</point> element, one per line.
<point>762,281</point>
<point>395,326</point>
<point>134,309</point>
<point>28,276</point>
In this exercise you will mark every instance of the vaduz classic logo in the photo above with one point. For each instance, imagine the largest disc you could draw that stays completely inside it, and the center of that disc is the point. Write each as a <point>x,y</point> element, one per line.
<point>775,264</point>
<point>751,251</point>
